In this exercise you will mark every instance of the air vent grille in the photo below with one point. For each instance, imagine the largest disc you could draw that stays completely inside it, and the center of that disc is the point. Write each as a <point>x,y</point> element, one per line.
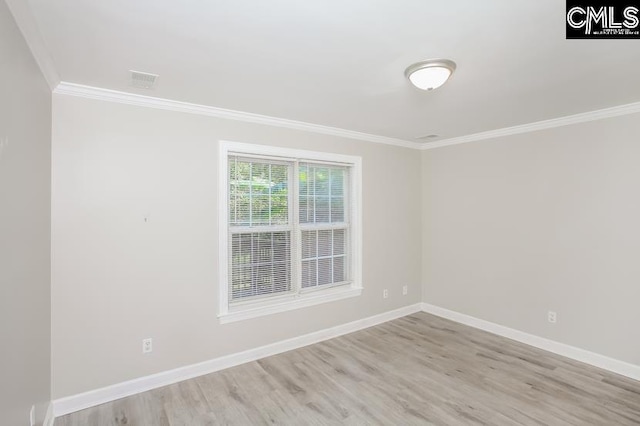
<point>428,138</point>
<point>143,79</point>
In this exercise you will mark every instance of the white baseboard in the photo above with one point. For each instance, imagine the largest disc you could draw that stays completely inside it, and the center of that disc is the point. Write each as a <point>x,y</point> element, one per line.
<point>92,398</point>
<point>620,367</point>
<point>49,417</point>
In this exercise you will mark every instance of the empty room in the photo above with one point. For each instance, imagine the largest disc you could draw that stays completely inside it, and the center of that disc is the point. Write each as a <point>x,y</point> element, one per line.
<point>235,212</point>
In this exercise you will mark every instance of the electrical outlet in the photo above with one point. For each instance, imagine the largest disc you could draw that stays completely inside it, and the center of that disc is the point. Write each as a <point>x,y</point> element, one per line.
<point>32,416</point>
<point>405,290</point>
<point>147,345</point>
<point>552,317</point>
<point>385,293</point>
<point>4,142</point>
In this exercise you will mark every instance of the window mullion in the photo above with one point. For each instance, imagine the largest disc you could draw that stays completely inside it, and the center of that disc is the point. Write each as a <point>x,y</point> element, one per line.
<point>332,256</point>
<point>349,219</point>
<point>314,194</point>
<point>270,196</point>
<point>294,219</point>
<point>235,193</point>
<point>250,194</point>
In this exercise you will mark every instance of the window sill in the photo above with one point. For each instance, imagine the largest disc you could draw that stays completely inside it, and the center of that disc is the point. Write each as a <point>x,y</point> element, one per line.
<point>269,307</point>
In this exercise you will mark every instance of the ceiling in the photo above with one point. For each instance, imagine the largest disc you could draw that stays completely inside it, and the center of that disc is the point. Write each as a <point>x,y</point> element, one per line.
<point>341,63</point>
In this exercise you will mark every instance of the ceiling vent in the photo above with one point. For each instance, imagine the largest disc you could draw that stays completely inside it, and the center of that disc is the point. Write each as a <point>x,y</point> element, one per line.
<point>143,79</point>
<point>428,138</point>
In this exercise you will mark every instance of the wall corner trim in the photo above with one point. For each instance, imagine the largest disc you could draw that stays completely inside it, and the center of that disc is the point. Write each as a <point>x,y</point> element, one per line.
<point>27,24</point>
<point>92,398</point>
<point>600,114</point>
<point>48,417</point>
<point>72,89</point>
<point>616,366</point>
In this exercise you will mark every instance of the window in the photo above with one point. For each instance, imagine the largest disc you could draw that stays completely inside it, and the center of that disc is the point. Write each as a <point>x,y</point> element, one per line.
<point>289,227</point>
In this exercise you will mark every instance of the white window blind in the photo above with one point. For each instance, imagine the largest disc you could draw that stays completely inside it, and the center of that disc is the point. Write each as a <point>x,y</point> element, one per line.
<point>322,224</point>
<point>291,236</point>
<point>260,229</point>
<point>261,264</point>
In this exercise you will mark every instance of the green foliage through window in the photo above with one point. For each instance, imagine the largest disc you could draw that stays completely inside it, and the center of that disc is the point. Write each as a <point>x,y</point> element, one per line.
<point>258,193</point>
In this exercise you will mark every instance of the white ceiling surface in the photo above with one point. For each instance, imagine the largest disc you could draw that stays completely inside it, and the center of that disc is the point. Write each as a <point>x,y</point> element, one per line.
<point>341,63</point>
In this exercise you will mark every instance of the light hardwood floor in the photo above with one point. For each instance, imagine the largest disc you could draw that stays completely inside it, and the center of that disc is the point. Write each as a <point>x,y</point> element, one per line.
<point>415,370</point>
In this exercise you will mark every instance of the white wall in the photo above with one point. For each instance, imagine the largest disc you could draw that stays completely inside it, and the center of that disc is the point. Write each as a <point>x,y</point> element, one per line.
<point>25,179</point>
<point>117,279</point>
<point>516,226</point>
<point>511,228</point>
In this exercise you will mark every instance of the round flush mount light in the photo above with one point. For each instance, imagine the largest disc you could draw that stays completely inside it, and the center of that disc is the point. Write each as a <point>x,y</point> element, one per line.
<point>431,74</point>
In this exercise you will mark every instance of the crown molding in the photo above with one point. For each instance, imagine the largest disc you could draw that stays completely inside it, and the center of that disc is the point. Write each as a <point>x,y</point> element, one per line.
<point>29,29</point>
<point>72,89</point>
<point>26,23</point>
<point>89,92</point>
<point>540,125</point>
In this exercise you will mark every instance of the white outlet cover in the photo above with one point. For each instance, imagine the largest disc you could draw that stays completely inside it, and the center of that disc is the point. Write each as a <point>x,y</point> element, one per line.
<point>147,346</point>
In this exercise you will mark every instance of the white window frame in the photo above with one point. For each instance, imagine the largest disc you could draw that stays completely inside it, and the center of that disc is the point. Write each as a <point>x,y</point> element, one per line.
<point>305,297</point>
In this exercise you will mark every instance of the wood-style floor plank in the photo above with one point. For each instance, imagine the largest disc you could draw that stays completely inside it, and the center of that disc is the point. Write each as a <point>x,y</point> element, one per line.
<point>416,370</point>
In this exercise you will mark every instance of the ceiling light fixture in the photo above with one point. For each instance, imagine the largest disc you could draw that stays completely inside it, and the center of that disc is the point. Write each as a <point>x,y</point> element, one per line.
<point>431,74</point>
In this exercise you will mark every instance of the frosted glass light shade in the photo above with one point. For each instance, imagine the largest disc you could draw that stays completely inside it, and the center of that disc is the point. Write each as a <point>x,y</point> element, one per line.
<point>429,75</point>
